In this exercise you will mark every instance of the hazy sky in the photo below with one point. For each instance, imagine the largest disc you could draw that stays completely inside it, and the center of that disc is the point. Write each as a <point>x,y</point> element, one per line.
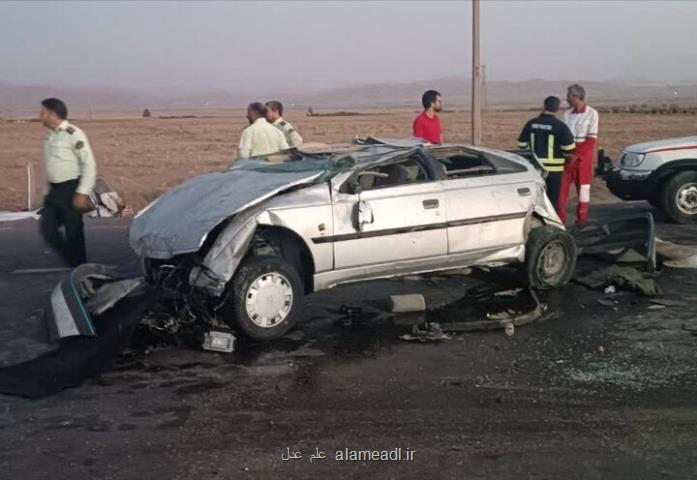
<point>308,45</point>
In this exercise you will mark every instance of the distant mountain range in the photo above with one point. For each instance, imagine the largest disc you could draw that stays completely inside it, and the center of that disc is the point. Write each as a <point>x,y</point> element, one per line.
<point>17,100</point>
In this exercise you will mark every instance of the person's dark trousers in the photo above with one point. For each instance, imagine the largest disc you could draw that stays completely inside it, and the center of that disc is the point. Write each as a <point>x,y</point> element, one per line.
<point>553,186</point>
<point>58,212</point>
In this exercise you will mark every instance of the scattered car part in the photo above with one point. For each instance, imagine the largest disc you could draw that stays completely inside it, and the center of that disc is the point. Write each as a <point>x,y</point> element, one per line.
<point>431,332</point>
<point>617,231</point>
<point>219,341</point>
<point>621,276</point>
<point>676,256</point>
<point>108,294</point>
<point>77,358</point>
<point>89,289</point>
<point>407,303</point>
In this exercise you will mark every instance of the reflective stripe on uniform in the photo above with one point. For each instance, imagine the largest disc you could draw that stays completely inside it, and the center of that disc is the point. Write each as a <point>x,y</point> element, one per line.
<point>550,147</point>
<point>568,147</point>
<point>523,144</point>
<point>553,164</point>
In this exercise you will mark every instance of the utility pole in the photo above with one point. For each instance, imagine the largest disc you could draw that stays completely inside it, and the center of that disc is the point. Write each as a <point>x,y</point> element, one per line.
<point>476,79</point>
<point>484,88</point>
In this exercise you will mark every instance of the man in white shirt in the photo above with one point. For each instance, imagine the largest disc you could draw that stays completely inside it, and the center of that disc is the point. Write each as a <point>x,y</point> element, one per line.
<point>582,120</point>
<point>260,137</point>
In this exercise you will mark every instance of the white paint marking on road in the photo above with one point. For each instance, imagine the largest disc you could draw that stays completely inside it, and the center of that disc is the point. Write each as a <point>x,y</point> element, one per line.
<point>41,270</point>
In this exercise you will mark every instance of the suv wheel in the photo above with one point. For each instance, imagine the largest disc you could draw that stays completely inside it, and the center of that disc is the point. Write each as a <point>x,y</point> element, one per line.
<point>267,298</point>
<point>550,257</point>
<point>679,200</point>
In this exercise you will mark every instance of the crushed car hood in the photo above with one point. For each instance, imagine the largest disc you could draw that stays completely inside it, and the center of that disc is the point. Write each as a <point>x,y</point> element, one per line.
<point>179,221</point>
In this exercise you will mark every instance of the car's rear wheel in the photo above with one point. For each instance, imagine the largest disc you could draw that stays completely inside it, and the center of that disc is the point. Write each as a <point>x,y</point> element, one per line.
<point>550,257</point>
<point>679,200</point>
<point>266,299</point>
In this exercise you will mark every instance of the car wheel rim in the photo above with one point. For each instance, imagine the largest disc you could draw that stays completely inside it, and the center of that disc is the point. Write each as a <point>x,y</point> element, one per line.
<point>686,199</point>
<point>552,262</point>
<point>269,300</point>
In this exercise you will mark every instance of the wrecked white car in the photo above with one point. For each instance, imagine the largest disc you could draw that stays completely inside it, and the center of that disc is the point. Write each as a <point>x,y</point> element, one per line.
<point>245,245</point>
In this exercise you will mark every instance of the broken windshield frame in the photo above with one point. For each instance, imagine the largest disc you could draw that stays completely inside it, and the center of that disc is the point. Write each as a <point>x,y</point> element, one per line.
<point>329,164</point>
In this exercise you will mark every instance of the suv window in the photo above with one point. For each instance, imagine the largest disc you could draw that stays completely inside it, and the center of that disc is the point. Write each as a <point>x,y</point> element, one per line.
<point>402,172</point>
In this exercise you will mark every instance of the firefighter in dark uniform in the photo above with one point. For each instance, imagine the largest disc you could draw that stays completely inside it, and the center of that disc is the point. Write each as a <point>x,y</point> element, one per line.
<point>71,174</point>
<point>551,141</point>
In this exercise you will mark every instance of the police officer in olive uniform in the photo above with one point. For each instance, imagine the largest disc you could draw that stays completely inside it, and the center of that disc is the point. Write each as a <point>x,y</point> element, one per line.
<point>274,115</point>
<point>71,174</point>
<point>551,141</point>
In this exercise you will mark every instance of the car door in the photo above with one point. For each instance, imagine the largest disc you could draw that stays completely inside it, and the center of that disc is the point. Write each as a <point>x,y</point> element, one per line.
<point>486,203</point>
<point>397,216</point>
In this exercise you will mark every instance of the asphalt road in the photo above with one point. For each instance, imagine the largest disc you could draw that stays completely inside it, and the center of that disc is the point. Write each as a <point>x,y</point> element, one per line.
<point>594,392</point>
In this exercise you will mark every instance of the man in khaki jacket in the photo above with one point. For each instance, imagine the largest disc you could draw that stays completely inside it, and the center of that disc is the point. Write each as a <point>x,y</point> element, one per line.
<point>71,173</point>
<point>274,114</point>
<point>260,137</point>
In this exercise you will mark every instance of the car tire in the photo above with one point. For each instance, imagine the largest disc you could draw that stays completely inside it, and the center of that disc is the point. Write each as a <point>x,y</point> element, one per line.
<point>679,198</point>
<point>550,257</point>
<point>266,299</point>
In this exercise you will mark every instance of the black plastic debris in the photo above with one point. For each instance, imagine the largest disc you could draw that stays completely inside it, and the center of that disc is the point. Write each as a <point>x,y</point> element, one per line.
<point>89,289</point>
<point>77,357</point>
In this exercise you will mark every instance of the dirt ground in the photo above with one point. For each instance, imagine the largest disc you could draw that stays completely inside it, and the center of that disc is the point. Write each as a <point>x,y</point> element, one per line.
<point>141,158</point>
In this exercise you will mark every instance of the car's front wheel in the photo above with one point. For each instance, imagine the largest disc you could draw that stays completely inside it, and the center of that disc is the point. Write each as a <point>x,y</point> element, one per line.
<point>266,299</point>
<point>550,257</point>
<point>679,200</point>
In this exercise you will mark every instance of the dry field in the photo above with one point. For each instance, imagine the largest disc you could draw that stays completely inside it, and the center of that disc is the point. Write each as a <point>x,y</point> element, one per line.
<point>141,158</point>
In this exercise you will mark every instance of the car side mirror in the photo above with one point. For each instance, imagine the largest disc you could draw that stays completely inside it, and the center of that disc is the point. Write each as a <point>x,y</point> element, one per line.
<point>356,188</point>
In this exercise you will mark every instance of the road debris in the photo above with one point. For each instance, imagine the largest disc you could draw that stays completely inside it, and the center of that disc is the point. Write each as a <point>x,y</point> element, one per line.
<point>668,303</point>
<point>90,289</point>
<point>676,256</point>
<point>219,341</point>
<point>657,307</point>
<point>431,332</point>
<point>407,303</point>
<point>626,277</point>
<point>490,308</point>
<point>620,237</point>
<point>608,302</point>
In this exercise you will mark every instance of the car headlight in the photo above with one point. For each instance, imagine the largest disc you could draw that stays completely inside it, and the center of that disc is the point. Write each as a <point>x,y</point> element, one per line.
<point>631,159</point>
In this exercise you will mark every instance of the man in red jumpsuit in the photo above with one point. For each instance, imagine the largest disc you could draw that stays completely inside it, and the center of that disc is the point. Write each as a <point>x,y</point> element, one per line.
<point>582,120</point>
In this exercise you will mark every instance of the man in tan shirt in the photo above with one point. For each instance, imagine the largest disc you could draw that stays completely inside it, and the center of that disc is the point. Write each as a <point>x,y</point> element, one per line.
<point>260,137</point>
<point>274,114</point>
<point>71,173</point>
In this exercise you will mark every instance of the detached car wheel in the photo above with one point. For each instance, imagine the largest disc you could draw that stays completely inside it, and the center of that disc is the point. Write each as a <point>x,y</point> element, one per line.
<point>267,298</point>
<point>550,257</point>
<point>680,198</point>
